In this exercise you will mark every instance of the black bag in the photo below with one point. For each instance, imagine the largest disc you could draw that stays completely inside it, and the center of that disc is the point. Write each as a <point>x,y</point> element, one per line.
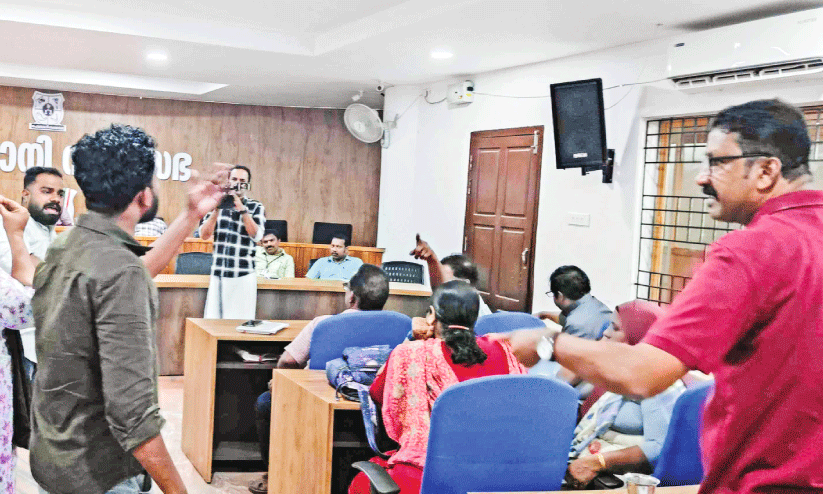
<point>21,390</point>
<point>603,481</point>
<point>606,480</point>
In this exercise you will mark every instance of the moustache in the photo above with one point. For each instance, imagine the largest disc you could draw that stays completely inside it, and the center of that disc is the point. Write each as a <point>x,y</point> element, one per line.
<point>709,191</point>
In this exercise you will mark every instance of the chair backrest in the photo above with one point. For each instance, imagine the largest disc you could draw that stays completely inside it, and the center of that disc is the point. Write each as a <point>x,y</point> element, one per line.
<point>503,322</point>
<point>366,328</point>
<point>679,462</point>
<point>500,434</point>
<point>324,232</point>
<point>404,271</point>
<point>193,263</point>
<point>280,228</point>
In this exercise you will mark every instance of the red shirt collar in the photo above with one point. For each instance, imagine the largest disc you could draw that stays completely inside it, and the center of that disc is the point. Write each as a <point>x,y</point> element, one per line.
<point>799,199</point>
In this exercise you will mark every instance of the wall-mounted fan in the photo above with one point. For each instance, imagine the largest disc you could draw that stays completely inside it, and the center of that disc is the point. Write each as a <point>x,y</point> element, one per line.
<point>364,124</point>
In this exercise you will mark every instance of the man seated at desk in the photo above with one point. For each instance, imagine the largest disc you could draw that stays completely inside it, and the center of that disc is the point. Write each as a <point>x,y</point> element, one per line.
<point>153,228</point>
<point>271,261</point>
<point>368,289</point>
<point>339,265</point>
<point>581,314</point>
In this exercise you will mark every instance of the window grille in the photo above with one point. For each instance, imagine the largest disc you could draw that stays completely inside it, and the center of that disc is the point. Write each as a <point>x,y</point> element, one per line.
<point>675,229</point>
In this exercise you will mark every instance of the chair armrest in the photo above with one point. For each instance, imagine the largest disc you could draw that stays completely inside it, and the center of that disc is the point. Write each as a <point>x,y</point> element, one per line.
<point>380,480</point>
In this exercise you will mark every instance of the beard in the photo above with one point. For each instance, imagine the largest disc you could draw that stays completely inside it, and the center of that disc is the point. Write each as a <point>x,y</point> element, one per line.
<point>42,217</point>
<point>152,211</point>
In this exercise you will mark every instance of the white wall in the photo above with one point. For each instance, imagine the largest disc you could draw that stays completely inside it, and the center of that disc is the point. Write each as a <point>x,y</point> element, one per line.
<point>425,171</point>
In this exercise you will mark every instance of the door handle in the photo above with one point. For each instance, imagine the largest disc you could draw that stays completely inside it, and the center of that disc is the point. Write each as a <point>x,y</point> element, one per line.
<point>523,256</point>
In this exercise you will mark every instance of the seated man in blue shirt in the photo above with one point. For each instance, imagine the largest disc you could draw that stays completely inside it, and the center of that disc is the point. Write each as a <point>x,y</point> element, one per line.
<point>581,314</point>
<point>339,265</point>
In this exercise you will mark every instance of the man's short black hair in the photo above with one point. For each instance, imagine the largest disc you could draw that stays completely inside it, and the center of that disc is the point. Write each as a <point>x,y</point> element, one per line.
<point>571,281</point>
<point>35,171</point>
<point>241,167</point>
<point>462,267</point>
<point>113,166</point>
<point>271,232</point>
<point>771,127</point>
<point>370,285</point>
<point>341,236</point>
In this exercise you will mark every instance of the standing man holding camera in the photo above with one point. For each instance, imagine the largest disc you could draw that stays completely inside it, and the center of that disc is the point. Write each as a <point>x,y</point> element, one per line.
<point>237,225</point>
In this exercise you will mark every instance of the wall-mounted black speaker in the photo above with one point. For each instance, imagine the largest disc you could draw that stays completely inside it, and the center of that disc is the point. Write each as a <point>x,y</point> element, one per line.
<point>579,123</point>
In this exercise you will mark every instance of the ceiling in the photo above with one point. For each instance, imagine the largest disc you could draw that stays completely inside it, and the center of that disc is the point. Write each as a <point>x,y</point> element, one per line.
<point>310,53</point>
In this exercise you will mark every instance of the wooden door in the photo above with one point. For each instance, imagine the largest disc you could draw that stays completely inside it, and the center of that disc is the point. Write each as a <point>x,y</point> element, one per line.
<point>501,213</point>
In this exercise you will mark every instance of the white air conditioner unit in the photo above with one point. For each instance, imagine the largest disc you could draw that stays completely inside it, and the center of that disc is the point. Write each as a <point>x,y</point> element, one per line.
<point>786,47</point>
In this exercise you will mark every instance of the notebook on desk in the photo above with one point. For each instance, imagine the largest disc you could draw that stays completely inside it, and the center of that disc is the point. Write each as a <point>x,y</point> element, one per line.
<point>262,327</point>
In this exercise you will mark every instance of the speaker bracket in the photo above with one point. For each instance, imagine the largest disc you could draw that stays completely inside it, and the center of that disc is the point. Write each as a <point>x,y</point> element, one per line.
<point>607,167</point>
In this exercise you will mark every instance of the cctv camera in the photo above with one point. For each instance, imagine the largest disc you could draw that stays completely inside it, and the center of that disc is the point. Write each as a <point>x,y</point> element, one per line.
<point>380,87</point>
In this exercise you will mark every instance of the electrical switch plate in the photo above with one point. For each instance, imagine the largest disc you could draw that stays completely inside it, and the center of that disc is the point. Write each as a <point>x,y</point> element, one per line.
<point>579,219</point>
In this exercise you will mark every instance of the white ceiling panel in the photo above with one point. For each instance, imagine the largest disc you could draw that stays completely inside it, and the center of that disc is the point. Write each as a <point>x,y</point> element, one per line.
<point>302,53</point>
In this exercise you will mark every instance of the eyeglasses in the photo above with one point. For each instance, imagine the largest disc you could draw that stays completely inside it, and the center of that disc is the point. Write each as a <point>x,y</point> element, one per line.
<point>715,161</point>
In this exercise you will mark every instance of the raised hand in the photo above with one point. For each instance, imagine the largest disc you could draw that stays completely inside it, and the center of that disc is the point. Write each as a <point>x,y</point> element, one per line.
<point>205,193</point>
<point>14,216</point>
<point>421,250</point>
<point>238,201</point>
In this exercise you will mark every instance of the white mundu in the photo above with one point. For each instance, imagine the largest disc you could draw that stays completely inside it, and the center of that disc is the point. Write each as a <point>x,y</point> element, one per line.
<point>231,298</point>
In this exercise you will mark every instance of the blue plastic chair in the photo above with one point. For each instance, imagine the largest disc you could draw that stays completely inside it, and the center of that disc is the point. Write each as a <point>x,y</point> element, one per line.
<point>503,322</point>
<point>496,434</point>
<point>193,263</point>
<point>679,462</point>
<point>366,328</point>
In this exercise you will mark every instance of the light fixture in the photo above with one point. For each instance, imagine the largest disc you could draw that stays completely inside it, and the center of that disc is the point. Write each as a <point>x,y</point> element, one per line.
<point>441,54</point>
<point>157,56</point>
<point>84,79</point>
<point>357,96</point>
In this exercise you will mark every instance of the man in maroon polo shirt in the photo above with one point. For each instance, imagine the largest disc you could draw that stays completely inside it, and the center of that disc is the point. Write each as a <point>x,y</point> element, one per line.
<point>752,315</point>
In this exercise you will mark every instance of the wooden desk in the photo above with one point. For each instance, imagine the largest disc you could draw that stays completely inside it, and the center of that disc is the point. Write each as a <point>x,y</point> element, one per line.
<point>203,337</point>
<point>302,431</point>
<point>183,296</point>
<point>688,489</point>
<point>302,253</point>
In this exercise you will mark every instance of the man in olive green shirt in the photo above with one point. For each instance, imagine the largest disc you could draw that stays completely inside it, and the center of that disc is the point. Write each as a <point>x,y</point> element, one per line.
<point>95,415</point>
<point>271,261</point>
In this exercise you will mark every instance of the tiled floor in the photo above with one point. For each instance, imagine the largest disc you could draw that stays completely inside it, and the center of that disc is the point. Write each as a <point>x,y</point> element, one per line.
<point>171,403</point>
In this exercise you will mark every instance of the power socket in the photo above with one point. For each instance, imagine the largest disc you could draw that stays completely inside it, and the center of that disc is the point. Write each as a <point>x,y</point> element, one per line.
<point>578,219</point>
